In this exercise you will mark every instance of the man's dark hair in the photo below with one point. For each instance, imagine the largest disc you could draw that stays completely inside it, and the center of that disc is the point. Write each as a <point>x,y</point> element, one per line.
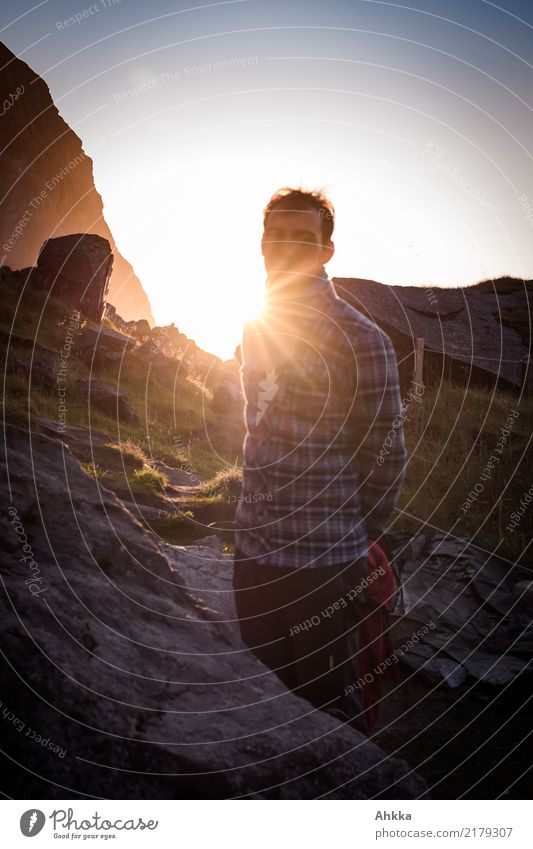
<point>301,199</point>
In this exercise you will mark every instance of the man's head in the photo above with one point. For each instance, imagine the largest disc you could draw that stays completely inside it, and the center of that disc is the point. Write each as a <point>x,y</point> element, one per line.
<point>296,243</point>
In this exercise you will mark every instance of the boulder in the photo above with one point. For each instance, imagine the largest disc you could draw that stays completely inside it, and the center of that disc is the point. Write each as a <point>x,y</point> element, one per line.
<point>76,269</point>
<point>122,662</point>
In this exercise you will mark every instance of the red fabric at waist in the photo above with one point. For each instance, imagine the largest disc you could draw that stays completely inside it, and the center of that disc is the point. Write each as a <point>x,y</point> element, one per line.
<point>375,658</point>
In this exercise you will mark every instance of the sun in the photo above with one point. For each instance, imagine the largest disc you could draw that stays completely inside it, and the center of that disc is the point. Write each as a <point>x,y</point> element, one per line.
<point>218,312</point>
<point>216,318</point>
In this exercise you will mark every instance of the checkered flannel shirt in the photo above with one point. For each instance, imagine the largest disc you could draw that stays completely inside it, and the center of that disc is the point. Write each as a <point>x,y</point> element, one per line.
<point>324,455</point>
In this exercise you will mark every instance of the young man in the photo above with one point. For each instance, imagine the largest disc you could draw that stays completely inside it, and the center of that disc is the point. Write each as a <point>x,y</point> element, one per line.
<point>321,391</point>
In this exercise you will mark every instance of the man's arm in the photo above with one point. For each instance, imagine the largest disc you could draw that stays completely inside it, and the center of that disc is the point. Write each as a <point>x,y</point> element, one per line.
<point>378,424</point>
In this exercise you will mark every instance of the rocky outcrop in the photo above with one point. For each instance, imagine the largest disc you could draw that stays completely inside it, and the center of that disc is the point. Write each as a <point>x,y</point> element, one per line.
<point>124,674</point>
<point>47,186</point>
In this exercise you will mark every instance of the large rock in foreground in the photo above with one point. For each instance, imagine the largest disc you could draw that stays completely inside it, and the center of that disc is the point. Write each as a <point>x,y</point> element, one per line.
<point>119,681</point>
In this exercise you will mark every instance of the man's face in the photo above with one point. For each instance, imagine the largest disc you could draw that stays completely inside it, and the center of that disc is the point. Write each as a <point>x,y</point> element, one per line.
<point>292,246</point>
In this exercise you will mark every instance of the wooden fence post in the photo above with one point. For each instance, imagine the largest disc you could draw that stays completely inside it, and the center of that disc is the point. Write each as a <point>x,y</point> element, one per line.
<point>419,361</point>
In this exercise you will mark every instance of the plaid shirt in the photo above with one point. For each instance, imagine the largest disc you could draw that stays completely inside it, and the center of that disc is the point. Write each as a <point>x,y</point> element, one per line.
<point>324,454</point>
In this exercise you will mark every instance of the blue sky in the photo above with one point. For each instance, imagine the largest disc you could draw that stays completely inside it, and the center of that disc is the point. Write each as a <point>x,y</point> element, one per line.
<point>415,117</point>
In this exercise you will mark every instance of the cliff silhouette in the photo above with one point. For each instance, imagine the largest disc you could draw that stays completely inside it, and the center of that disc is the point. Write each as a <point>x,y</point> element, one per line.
<point>46,184</point>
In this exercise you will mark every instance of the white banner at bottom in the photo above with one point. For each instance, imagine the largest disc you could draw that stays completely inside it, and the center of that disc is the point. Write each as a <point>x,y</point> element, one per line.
<point>265,824</point>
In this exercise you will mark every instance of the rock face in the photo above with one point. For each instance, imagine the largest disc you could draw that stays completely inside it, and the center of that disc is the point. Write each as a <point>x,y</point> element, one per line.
<point>76,269</point>
<point>123,670</point>
<point>46,184</point>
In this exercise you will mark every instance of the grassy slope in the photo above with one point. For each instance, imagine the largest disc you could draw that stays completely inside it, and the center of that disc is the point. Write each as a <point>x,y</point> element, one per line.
<point>451,436</point>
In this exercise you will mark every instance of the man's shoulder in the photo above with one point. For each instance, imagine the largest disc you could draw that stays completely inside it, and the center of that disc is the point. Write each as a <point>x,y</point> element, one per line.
<point>357,327</point>
<point>353,316</point>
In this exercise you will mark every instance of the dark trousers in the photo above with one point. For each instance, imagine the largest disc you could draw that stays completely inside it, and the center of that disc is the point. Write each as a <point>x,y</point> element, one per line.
<point>302,624</point>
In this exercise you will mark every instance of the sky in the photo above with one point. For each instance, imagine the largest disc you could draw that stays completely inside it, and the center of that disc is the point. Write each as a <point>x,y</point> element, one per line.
<point>416,118</point>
